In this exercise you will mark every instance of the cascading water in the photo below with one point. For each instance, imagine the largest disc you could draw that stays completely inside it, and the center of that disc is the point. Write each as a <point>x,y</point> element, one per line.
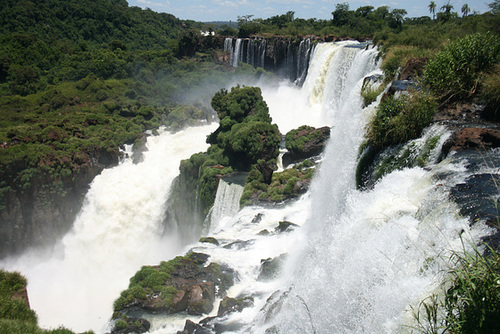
<point>357,261</point>
<point>119,229</point>
<point>227,201</point>
<point>283,56</point>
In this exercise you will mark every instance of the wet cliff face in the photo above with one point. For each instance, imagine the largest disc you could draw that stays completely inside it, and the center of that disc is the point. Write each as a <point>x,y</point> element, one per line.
<point>287,57</point>
<point>39,214</point>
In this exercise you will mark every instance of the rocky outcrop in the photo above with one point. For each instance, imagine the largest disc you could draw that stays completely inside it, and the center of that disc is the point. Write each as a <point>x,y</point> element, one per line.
<point>184,284</point>
<point>473,138</point>
<point>39,209</point>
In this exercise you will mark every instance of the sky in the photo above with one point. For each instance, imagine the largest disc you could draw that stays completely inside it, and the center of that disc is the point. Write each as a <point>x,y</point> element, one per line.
<point>229,10</point>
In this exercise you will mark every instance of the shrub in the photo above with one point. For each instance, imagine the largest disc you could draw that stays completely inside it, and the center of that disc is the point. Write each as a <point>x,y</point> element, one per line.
<point>490,91</point>
<point>398,120</point>
<point>455,72</point>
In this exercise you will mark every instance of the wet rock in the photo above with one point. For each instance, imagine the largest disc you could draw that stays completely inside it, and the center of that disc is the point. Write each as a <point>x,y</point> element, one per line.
<point>285,226</point>
<point>210,240</point>
<point>472,138</point>
<point>138,149</point>
<point>239,244</point>
<point>182,284</point>
<point>127,325</point>
<point>258,218</point>
<point>478,198</point>
<point>270,268</point>
<point>230,305</point>
<point>191,328</point>
<point>201,298</point>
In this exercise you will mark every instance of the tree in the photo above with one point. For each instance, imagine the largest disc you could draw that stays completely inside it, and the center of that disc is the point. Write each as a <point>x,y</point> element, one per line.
<point>495,7</point>
<point>465,10</point>
<point>446,13</point>
<point>341,15</point>
<point>432,9</point>
<point>382,12</point>
<point>364,11</point>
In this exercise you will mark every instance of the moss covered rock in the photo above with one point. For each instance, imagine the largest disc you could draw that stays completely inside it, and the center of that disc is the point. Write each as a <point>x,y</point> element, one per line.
<point>182,284</point>
<point>306,141</point>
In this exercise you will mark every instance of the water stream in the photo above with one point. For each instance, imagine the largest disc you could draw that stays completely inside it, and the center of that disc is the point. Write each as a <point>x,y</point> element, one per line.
<point>357,261</point>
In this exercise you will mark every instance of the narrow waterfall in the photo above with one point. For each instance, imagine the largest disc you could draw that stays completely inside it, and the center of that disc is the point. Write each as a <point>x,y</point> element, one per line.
<point>227,201</point>
<point>119,229</point>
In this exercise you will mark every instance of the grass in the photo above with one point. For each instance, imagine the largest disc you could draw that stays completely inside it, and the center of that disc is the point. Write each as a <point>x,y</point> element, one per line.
<point>470,302</point>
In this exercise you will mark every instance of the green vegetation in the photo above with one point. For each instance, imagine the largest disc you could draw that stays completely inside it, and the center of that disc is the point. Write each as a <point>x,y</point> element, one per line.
<point>152,280</point>
<point>290,183</point>
<point>245,140</point>
<point>78,79</point>
<point>398,120</point>
<point>470,302</point>
<point>456,71</point>
<point>16,317</point>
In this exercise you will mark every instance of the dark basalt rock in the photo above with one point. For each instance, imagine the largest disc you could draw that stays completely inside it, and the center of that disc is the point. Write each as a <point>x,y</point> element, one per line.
<point>478,198</point>
<point>285,226</point>
<point>210,240</point>
<point>129,325</point>
<point>185,285</point>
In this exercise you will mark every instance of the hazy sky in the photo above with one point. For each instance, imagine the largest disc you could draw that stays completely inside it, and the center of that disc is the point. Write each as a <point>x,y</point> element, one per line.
<point>226,10</point>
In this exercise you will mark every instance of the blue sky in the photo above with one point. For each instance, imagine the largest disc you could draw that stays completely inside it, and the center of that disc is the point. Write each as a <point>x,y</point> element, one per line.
<point>226,10</point>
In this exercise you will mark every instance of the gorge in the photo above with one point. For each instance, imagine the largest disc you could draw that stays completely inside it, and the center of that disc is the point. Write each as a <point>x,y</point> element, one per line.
<point>356,260</point>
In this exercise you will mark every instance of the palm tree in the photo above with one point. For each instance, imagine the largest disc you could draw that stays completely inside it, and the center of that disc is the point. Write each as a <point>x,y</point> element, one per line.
<point>446,12</point>
<point>432,9</point>
<point>465,10</point>
<point>447,8</point>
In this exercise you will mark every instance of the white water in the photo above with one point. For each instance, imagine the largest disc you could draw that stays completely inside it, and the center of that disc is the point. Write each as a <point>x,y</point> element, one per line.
<point>357,262</point>
<point>118,230</point>
<point>227,201</point>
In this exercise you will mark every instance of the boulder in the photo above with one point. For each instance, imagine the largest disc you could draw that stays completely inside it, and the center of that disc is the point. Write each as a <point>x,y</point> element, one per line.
<point>306,142</point>
<point>271,267</point>
<point>127,325</point>
<point>180,285</point>
<point>230,305</point>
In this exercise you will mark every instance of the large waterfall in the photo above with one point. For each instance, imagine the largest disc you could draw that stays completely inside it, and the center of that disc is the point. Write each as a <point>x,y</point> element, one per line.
<point>119,229</point>
<point>357,261</point>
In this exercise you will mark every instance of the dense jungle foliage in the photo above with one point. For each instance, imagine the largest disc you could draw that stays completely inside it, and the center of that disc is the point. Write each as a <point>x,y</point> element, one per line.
<point>80,78</point>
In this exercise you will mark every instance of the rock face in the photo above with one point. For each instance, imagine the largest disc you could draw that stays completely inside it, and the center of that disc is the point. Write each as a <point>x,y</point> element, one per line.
<point>40,211</point>
<point>473,138</point>
<point>306,142</point>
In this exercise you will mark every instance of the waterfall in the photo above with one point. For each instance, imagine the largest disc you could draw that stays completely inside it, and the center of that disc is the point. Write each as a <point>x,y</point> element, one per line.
<point>303,60</point>
<point>119,229</point>
<point>284,57</point>
<point>227,201</point>
<point>356,261</point>
<point>237,53</point>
